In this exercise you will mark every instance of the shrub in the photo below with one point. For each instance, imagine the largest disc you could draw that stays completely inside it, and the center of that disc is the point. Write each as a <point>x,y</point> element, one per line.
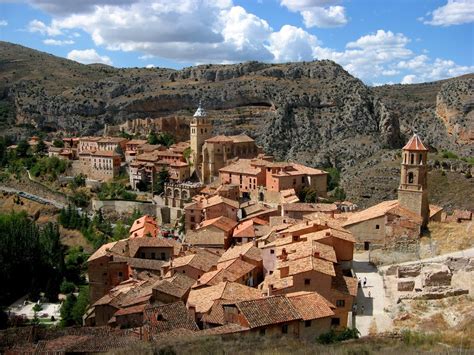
<point>446,154</point>
<point>67,287</point>
<point>332,336</point>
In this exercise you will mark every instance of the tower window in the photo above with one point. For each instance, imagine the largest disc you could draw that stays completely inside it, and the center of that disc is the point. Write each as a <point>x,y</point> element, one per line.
<point>410,178</point>
<point>421,159</point>
<point>377,226</point>
<point>412,159</point>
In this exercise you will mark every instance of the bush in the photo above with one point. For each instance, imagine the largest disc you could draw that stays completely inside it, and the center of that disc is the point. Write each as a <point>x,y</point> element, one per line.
<point>446,154</point>
<point>332,336</point>
<point>67,287</point>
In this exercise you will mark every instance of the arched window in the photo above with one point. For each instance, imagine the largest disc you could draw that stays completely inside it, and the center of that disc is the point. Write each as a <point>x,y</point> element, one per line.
<point>410,178</point>
<point>421,159</point>
<point>412,158</point>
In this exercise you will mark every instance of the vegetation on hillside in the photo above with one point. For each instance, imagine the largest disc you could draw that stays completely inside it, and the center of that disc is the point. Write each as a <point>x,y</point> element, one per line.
<point>34,260</point>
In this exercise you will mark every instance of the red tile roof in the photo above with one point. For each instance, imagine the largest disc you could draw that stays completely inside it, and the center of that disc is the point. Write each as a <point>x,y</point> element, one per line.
<point>310,305</point>
<point>168,317</point>
<point>415,143</point>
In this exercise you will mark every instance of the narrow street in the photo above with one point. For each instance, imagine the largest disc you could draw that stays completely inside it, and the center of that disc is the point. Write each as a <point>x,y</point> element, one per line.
<point>373,307</point>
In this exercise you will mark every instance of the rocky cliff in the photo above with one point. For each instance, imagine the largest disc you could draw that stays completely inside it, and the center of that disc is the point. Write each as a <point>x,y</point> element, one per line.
<point>313,112</point>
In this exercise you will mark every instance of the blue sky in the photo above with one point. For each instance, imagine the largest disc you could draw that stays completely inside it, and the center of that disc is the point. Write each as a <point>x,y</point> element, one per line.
<point>379,41</point>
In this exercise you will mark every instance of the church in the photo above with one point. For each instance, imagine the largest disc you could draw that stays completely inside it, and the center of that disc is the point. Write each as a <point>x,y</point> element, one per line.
<point>209,154</point>
<point>401,220</point>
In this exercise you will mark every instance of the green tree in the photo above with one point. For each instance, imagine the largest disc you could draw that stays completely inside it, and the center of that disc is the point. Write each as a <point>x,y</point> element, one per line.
<point>80,307</point>
<point>339,194</point>
<point>41,148</point>
<point>334,176</point>
<point>22,148</point>
<point>121,231</point>
<point>67,317</point>
<point>162,178</point>
<point>67,287</point>
<point>152,138</point>
<point>166,139</point>
<point>58,143</point>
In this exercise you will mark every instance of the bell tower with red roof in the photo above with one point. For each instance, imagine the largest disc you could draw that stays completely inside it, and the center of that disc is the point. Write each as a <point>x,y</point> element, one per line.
<point>413,189</point>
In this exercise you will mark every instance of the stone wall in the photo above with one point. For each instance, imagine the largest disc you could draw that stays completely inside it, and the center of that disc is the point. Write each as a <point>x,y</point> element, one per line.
<point>124,207</point>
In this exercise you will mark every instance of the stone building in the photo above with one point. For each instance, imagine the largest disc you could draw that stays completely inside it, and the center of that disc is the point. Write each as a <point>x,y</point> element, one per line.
<point>264,179</point>
<point>398,223</point>
<point>413,190</point>
<point>178,194</point>
<point>204,208</point>
<point>209,154</point>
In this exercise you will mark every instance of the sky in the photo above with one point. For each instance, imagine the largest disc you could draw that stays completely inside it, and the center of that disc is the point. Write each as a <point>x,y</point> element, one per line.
<point>378,41</point>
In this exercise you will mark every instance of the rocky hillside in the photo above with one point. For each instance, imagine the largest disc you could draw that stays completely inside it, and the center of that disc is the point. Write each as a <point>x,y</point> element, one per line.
<point>313,112</point>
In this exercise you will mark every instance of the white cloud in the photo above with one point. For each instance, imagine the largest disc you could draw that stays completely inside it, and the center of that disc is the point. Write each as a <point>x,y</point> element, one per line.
<point>150,66</point>
<point>292,44</point>
<point>66,7</point>
<point>88,56</point>
<point>3,23</point>
<point>409,79</point>
<point>370,56</point>
<point>455,12</point>
<point>182,30</point>
<point>216,31</point>
<point>318,13</point>
<point>57,42</point>
<point>41,27</point>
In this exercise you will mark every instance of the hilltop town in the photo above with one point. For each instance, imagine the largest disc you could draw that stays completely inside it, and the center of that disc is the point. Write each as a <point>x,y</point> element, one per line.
<point>225,240</point>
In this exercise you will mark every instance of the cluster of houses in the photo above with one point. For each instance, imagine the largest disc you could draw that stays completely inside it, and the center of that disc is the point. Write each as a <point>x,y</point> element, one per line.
<point>247,265</point>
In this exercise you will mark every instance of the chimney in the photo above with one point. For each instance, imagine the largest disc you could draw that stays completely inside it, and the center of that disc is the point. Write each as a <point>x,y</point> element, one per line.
<point>270,289</point>
<point>316,254</point>
<point>332,214</point>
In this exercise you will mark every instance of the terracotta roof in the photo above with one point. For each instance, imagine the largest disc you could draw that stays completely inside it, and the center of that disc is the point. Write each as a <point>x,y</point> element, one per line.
<point>204,202</point>
<point>219,139</point>
<point>309,207</point>
<point>105,153</point>
<point>330,233</point>
<point>241,166</point>
<point>199,261</point>
<point>376,211</point>
<point>242,138</point>
<point>244,229</point>
<point>344,284</point>
<point>103,250</point>
<point>223,223</point>
<point>206,237</point>
<point>137,141</point>
<point>308,263</point>
<point>269,310</point>
<point>404,212</point>
<point>112,140</point>
<point>203,298</point>
<point>177,285</point>
<point>130,310</point>
<point>140,222</point>
<point>248,250</point>
<point>435,209</point>
<point>310,305</point>
<point>415,143</point>
<point>231,270</point>
<point>215,314</point>
<point>306,248</point>
<point>138,263</point>
<point>136,243</point>
<point>168,317</point>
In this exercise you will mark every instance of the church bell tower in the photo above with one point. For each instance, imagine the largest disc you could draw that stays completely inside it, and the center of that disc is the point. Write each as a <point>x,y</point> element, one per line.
<point>201,129</point>
<point>413,189</point>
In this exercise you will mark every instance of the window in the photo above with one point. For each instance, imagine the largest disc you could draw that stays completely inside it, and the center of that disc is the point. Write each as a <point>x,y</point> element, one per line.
<point>153,255</point>
<point>377,226</point>
<point>272,251</point>
<point>421,159</point>
<point>302,179</point>
<point>159,317</point>
<point>284,328</point>
<point>271,272</point>
<point>163,256</point>
<point>142,255</point>
<point>307,281</point>
<point>410,178</point>
<point>412,158</point>
<point>184,271</point>
<point>335,321</point>
<point>192,219</point>
<point>307,323</point>
<point>340,303</point>
<point>120,274</point>
<point>262,331</point>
